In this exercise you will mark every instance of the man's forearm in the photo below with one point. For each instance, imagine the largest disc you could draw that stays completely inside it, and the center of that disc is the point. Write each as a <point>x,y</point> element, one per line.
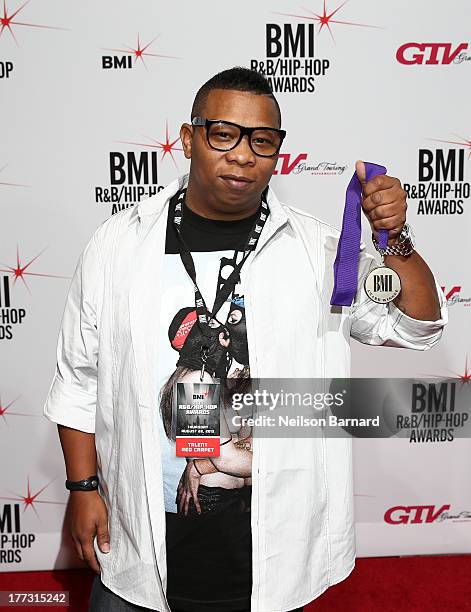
<point>79,452</point>
<point>418,298</point>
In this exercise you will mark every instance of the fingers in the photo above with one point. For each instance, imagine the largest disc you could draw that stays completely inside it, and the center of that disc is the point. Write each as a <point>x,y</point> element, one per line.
<point>194,494</point>
<point>186,502</point>
<point>85,550</point>
<point>385,211</point>
<point>361,171</point>
<point>89,555</point>
<point>390,224</point>
<point>380,183</point>
<point>183,502</point>
<point>384,196</point>
<point>78,549</point>
<point>103,537</point>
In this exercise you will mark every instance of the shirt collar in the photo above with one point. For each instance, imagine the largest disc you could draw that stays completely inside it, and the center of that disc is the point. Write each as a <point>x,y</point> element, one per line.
<point>158,202</point>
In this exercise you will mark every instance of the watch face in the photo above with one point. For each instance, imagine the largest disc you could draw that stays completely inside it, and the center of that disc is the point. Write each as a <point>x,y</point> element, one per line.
<point>406,236</point>
<point>411,235</point>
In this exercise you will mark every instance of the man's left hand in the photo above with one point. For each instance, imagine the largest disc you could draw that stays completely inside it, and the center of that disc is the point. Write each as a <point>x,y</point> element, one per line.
<point>383,202</point>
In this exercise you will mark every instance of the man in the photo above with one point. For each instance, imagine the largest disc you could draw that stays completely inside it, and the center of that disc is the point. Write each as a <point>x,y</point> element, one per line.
<point>267,525</point>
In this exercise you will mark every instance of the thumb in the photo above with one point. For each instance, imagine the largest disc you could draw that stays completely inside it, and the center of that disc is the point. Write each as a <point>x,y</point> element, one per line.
<point>103,537</point>
<point>361,171</point>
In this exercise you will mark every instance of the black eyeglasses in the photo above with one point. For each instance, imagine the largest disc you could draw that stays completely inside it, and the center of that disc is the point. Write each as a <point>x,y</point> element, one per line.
<point>225,136</point>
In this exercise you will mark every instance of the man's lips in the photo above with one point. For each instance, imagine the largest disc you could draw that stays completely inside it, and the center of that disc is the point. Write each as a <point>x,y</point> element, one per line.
<point>236,181</point>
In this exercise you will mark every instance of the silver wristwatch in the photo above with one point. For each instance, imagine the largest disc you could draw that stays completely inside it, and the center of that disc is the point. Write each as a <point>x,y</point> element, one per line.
<point>404,246</point>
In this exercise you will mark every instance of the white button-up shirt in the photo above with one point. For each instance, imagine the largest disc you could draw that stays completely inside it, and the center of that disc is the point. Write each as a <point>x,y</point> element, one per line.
<point>105,383</point>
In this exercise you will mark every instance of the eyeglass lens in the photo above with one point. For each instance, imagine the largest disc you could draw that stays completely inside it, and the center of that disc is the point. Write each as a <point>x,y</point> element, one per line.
<point>223,136</point>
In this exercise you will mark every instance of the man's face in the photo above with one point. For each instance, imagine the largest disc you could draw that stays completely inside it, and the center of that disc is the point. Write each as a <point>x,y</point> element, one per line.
<point>231,180</point>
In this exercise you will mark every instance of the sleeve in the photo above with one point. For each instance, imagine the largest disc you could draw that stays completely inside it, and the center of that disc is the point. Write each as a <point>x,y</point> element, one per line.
<point>385,324</point>
<point>71,400</point>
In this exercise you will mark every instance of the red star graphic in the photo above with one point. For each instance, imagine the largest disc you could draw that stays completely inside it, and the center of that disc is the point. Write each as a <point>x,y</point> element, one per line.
<point>3,410</point>
<point>10,184</point>
<point>465,377</point>
<point>326,19</point>
<point>7,20</point>
<point>139,52</point>
<point>464,142</point>
<point>167,146</point>
<point>19,271</point>
<point>30,499</point>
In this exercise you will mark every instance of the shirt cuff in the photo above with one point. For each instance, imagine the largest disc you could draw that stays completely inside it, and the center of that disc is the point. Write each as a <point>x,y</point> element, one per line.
<point>70,406</point>
<point>422,333</point>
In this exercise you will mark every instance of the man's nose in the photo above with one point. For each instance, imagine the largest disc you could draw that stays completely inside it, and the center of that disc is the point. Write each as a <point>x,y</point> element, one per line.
<point>242,153</point>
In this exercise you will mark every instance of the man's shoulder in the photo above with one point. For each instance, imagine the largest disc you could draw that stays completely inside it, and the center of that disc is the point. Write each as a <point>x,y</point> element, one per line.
<point>310,222</point>
<point>110,229</point>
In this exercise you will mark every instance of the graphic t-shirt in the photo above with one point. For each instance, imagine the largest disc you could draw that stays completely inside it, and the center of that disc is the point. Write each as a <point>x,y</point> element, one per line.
<point>209,555</point>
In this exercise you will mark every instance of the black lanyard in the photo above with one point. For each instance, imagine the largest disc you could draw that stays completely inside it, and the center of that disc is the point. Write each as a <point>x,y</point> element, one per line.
<point>225,288</point>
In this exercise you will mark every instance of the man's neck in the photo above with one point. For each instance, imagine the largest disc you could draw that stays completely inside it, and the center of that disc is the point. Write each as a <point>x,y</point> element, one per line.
<point>202,205</point>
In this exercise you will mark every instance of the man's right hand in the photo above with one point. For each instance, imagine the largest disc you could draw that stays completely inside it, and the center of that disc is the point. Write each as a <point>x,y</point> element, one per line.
<point>88,517</point>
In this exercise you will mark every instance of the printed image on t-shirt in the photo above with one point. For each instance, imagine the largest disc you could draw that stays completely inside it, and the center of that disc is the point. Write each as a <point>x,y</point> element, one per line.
<point>208,548</point>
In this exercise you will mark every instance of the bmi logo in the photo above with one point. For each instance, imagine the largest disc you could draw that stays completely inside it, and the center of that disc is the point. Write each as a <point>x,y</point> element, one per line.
<point>13,541</point>
<point>200,396</point>
<point>11,316</point>
<point>442,187</point>
<point>438,410</point>
<point>127,56</point>
<point>290,62</point>
<point>133,175</point>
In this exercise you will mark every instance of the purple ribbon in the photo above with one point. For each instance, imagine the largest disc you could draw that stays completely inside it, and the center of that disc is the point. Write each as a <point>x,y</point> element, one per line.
<point>348,249</point>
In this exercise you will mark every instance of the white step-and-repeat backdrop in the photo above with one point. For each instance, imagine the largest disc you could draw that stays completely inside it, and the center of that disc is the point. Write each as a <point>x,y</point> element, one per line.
<point>92,96</point>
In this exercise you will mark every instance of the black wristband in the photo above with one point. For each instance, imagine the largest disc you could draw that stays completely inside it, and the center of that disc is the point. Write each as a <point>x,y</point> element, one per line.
<point>87,484</point>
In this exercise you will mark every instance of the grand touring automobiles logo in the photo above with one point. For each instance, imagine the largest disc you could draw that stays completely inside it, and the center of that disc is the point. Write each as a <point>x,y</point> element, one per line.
<point>453,296</point>
<point>288,163</point>
<point>290,61</point>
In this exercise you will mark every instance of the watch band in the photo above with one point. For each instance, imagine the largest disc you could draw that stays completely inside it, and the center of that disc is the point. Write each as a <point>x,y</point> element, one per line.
<point>87,484</point>
<point>404,245</point>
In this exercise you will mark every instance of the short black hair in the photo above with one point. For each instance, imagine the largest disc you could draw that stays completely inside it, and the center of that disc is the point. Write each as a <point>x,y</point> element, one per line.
<point>238,79</point>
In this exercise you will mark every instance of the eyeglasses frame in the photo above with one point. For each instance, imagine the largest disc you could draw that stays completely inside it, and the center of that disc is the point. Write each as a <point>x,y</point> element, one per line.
<point>203,122</point>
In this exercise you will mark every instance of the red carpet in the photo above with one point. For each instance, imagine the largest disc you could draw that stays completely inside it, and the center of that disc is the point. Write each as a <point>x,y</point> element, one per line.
<point>386,584</point>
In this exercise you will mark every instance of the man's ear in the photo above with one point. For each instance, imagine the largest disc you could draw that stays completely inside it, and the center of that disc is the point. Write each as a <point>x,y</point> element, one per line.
<point>186,136</point>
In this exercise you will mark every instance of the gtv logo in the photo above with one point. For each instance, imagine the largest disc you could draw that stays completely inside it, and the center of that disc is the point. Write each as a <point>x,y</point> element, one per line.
<point>428,53</point>
<point>288,162</point>
<point>413,515</point>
